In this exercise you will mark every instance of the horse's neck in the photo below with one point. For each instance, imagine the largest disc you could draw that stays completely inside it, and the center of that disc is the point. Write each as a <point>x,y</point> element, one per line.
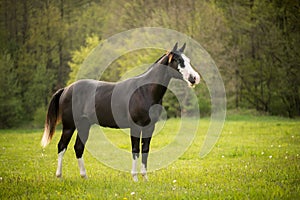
<point>159,79</point>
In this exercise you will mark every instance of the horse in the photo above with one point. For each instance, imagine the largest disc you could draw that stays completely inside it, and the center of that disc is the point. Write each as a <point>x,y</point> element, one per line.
<point>124,104</point>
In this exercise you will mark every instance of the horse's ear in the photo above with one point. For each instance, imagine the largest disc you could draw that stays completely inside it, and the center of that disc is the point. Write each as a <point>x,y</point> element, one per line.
<point>182,48</point>
<point>175,47</point>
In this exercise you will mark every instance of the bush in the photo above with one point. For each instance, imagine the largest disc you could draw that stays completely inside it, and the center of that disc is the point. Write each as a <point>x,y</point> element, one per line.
<point>39,117</point>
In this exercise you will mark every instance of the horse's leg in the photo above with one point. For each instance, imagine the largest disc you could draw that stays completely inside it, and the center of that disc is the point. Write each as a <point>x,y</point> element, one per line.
<point>79,148</point>
<point>135,145</point>
<point>146,138</point>
<point>62,147</point>
<point>82,136</point>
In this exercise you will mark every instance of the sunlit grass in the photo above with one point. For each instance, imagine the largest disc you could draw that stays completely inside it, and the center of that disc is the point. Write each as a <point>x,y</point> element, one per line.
<point>255,158</point>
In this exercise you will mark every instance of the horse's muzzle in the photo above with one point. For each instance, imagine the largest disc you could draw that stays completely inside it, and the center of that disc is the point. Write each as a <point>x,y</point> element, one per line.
<point>194,79</point>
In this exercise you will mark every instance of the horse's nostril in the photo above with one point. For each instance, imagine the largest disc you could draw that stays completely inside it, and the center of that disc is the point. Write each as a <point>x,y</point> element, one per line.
<point>192,79</point>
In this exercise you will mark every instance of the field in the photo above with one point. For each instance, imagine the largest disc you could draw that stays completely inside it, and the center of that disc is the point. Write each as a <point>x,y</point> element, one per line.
<point>254,158</point>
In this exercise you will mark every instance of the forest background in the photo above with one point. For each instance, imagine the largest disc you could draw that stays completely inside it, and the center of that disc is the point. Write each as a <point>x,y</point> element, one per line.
<point>255,44</point>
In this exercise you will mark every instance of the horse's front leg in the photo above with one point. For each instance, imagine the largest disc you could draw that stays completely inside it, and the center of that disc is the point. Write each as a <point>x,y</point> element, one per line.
<point>147,135</point>
<point>135,145</point>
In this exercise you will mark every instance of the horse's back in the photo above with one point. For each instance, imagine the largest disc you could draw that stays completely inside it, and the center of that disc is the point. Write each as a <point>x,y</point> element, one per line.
<point>78,101</point>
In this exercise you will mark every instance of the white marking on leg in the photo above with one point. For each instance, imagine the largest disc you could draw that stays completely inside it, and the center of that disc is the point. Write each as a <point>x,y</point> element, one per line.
<point>144,172</point>
<point>134,171</point>
<point>59,163</point>
<point>144,166</point>
<point>81,168</point>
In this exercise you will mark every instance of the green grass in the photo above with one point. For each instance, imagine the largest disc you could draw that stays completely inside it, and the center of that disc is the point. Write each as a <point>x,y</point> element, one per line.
<point>255,158</point>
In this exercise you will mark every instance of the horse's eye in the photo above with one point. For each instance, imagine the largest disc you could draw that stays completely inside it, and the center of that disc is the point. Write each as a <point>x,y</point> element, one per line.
<point>181,62</point>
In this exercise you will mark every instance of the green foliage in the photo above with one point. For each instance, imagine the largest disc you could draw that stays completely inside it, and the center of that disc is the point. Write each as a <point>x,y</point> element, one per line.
<point>255,158</point>
<point>131,64</point>
<point>10,103</point>
<point>265,62</point>
<point>78,56</point>
<point>171,104</point>
<point>39,117</point>
<point>255,45</point>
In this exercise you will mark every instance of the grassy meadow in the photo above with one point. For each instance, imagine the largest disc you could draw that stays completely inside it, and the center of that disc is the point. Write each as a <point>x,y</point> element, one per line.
<point>254,158</point>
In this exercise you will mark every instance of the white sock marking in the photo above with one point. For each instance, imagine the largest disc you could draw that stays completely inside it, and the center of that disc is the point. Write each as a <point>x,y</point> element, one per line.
<point>81,168</point>
<point>144,172</point>
<point>59,163</point>
<point>134,171</point>
<point>143,169</point>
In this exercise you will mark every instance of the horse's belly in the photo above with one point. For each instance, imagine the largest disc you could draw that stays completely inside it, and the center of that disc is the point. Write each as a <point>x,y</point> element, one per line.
<point>108,120</point>
<point>107,123</point>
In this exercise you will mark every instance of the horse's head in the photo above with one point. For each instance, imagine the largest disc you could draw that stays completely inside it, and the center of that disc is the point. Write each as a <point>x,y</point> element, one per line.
<point>182,65</point>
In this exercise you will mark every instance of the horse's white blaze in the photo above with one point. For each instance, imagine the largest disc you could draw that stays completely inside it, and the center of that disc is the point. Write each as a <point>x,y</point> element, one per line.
<point>134,171</point>
<point>81,168</point>
<point>59,163</point>
<point>188,71</point>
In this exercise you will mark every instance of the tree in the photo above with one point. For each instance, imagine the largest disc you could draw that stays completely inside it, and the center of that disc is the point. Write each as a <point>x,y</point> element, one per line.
<point>78,56</point>
<point>254,43</point>
<point>10,103</point>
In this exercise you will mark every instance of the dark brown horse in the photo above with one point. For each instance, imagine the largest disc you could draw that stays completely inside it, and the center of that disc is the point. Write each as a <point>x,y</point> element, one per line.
<point>125,104</point>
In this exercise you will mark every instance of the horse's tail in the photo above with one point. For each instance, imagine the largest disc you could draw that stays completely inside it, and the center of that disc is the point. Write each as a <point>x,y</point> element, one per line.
<point>52,118</point>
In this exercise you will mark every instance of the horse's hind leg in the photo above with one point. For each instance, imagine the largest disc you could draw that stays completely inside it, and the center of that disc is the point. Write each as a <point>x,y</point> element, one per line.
<point>62,147</point>
<point>79,148</point>
<point>82,136</point>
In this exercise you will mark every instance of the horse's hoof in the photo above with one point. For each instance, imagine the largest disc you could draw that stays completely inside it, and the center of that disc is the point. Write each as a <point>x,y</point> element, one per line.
<point>135,178</point>
<point>145,177</point>
<point>58,175</point>
<point>83,176</point>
